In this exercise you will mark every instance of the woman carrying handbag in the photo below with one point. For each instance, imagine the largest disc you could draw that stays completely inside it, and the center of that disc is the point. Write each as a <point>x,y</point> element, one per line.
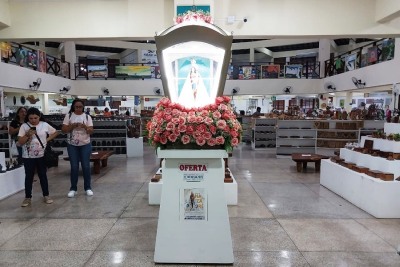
<point>32,135</point>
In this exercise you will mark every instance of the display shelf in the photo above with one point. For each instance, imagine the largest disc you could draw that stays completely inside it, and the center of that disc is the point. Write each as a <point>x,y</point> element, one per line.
<point>295,136</point>
<point>378,198</point>
<point>12,182</point>
<point>246,122</point>
<point>264,133</point>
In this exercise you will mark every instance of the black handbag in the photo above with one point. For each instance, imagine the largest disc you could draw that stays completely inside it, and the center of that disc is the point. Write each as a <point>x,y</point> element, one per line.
<point>50,156</point>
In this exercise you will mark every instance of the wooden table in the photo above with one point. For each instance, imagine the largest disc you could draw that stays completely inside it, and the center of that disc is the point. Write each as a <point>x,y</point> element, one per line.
<point>302,159</point>
<point>97,158</point>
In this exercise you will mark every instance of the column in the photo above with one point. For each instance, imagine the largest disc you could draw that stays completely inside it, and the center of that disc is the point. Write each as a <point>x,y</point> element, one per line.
<point>251,59</point>
<point>324,51</point>
<point>70,56</point>
<point>347,101</point>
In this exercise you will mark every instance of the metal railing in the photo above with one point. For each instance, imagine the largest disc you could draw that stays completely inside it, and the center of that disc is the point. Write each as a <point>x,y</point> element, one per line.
<point>370,54</point>
<point>34,59</point>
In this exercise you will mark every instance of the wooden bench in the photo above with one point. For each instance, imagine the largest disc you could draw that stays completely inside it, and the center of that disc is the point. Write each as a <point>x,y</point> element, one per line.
<point>302,159</point>
<point>97,158</point>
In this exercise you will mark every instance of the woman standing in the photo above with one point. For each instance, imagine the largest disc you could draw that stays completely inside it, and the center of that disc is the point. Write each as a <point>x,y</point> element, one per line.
<point>79,126</point>
<point>33,151</point>
<point>13,130</point>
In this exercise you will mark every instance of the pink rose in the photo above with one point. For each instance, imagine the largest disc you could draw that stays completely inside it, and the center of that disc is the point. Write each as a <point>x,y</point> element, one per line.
<point>207,135</point>
<point>208,120</point>
<point>220,140</point>
<point>200,141</point>
<point>175,112</point>
<point>176,131</point>
<point>227,99</point>
<point>222,107</point>
<point>156,138</point>
<point>165,101</point>
<point>199,119</point>
<point>234,133</point>
<point>234,141</point>
<point>163,140</point>
<point>175,120</point>
<point>168,111</point>
<point>167,117</point>
<point>213,129</point>
<point>185,139</point>
<point>211,142</point>
<point>170,126</point>
<point>191,119</point>
<point>221,124</point>
<point>216,115</point>
<point>219,100</point>
<point>189,129</point>
<point>172,137</point>
<point>182,128</point>
<point>159,129</point>
<point>182,120</point>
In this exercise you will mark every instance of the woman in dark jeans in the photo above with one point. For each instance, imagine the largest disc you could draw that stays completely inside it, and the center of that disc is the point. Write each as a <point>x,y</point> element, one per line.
<point>33,152</point>
<point>79,127</point>
<point>13,130</point>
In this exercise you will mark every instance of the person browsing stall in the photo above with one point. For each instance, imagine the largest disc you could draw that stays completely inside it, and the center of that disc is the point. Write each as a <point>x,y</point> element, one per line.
<point>13,130</point>
<point>33,151</point>
<point>79,127</point>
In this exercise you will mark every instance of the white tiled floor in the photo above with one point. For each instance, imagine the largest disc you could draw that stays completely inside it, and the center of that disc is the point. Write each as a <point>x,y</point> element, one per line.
<point>284,218</point>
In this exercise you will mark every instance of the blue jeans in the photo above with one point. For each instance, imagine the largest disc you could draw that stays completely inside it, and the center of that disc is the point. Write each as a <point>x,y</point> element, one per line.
<point>20,160</point>
<point>30,165</point>
<point>80,154</point>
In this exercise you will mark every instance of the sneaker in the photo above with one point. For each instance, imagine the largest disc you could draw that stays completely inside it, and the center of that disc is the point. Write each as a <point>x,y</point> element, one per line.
<point>47,200</point>
<point>72,193</point>
<point>26,202</point>
<point>89,192</point>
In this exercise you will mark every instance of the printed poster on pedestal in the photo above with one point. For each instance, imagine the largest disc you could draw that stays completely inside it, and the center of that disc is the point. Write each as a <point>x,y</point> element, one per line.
<point>193,204</point>
<point>270,71</point>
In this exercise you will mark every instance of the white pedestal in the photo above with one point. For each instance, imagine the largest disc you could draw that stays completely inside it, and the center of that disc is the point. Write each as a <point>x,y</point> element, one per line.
<point>155,189</point>
<point>378,198</point>
<point>193,230</point>
<point>134,147</point>
<point>391,128</point>
<point>12,182</point>
<point>382,144</point>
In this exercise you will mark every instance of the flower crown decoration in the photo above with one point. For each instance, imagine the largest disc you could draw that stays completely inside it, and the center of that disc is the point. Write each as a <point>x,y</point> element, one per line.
<point>194,16</point>
<point>214,125</point>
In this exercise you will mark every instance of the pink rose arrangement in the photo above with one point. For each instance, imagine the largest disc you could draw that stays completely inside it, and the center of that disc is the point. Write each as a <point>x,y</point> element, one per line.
<point>198,15</point>
<point>213,125</point>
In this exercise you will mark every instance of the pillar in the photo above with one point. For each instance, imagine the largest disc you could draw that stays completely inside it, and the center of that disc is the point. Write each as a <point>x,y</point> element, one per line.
<point>251,59</point>
<point>70,56</point>
<point>348,100</point>
<point>324,51</point>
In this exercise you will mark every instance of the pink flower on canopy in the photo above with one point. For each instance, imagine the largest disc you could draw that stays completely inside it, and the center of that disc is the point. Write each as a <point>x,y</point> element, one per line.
<point>227,99</point>
<point>220,140</point>
<point>222,107</point>
<point>208,121</point>
<point>165,101</point>
<point>207,135</point>
<point>167,117</point>
<point>172,137</point>
<point>199,119</point>
<point>216,114</point>
<point>182,128</point>
<point>175,120</point>
<point>234,133</point>
<point>185,139</point>
<point>226,116</point>
<point>156,138</point>
<point>191,119</point>
<point>213,129</point>
<point>219,100</point>
<point>168,111</point>
<point>163,140</point>
<point>221,124</point>
<point>211,142</point>
<point>182,120</point>
<point>192,113</point>
<point>227,129</point>
<point>201,128</point>
<point>175,112</point>
<point>159,129</point>
<point>166,133</point>
<point>189,129</point>
<point>200,141</point>
<point>176,131</point>
<point>170,126</point>
<point>234,141</point>
<point>204,113</point>
<point>213,107</point>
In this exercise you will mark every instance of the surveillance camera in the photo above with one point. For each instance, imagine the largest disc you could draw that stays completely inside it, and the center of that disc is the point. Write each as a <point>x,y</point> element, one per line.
<point>245,20</point>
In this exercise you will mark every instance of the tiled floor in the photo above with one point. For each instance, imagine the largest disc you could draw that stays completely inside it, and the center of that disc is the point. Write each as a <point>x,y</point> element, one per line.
<point>284,218</point>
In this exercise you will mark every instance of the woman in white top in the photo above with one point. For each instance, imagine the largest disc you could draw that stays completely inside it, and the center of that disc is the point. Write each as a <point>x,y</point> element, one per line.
<point>79,127</point>
<point>33,151</point>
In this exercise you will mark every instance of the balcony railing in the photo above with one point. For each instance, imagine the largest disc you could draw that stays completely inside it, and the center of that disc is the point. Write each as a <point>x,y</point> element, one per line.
<point>370,54</point>
<point>236,71</point>
<point>36,60</point>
